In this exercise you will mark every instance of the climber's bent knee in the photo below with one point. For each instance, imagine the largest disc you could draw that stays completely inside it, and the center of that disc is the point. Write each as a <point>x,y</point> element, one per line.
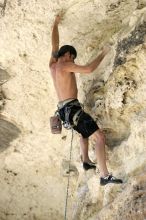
<point>98,136</point>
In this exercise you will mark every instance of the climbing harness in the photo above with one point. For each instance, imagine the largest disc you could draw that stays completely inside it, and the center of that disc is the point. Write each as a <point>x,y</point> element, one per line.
<point>55,120</point>
<point>68,105</point>
<point>68,181</point>
<point>77,116</point>
<point>66,123</point>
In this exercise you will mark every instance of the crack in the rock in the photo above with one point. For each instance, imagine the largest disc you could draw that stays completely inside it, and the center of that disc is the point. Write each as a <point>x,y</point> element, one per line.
<point>3,7</point>
<point>136,37</point>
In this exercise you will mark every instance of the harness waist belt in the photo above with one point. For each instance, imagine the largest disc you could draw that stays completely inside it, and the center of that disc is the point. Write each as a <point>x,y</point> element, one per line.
<point>61,104</point>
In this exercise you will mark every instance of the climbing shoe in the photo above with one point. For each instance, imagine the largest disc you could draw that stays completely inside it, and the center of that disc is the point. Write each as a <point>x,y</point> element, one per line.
<point>89,165</point>
<point>109,179</point>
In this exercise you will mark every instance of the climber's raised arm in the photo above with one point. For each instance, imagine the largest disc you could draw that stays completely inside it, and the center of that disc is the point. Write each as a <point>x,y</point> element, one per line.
<point>72,67</point>
<point>95,63</point>
<point>55,40</point>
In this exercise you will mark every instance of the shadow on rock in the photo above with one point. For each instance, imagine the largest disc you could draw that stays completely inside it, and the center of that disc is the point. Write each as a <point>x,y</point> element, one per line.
<point>8,132</point>
<point>4,76</point>
<point>114,138</point>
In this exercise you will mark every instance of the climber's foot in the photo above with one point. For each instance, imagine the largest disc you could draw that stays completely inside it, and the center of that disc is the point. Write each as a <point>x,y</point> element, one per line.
<point>89,165</point>
<point>109,179</point>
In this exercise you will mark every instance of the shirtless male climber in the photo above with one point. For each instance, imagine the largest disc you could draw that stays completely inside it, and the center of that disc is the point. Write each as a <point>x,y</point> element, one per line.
<point>63,71</point>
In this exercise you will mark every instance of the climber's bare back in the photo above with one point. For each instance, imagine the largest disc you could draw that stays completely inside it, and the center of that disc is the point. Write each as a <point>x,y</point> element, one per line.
<point>64,82</point>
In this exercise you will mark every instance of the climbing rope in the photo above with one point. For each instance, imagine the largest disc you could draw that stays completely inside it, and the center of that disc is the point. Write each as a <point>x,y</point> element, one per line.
<point>67,190</point>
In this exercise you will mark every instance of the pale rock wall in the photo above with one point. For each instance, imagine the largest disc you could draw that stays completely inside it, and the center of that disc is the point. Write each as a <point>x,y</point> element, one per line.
<point>33,162</point>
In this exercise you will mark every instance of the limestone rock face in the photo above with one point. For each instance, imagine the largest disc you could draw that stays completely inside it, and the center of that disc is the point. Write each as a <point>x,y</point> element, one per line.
<point>34,162</point>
